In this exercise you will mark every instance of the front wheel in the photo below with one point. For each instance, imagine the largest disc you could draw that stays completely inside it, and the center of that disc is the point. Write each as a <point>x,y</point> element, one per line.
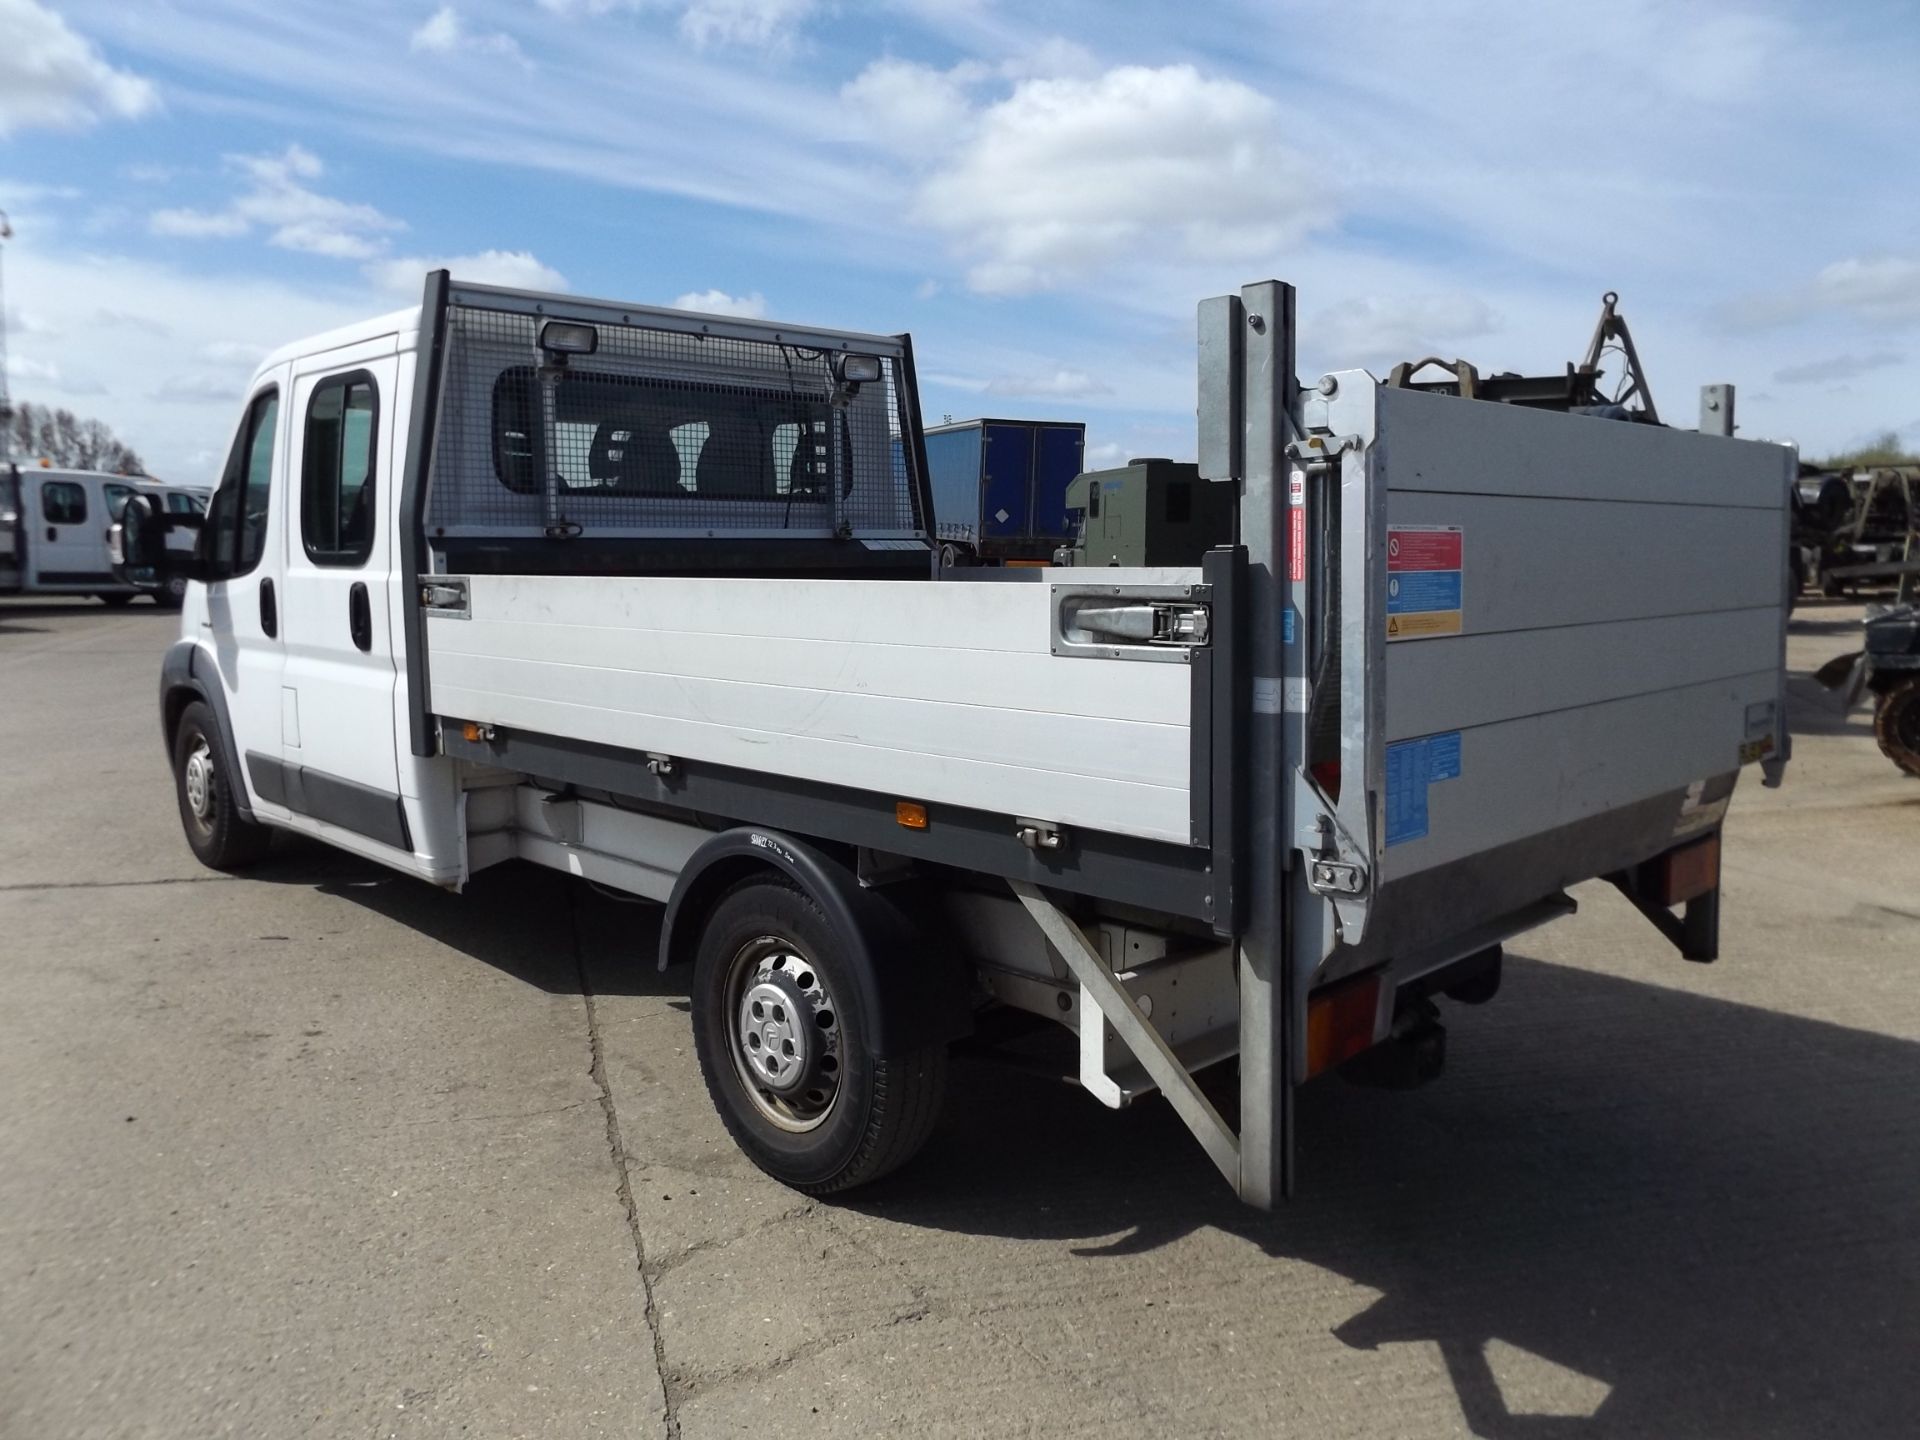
<point>781,1031</point>
<point>172,595</point>
<point>220,836</point>
<point>1896,725</point>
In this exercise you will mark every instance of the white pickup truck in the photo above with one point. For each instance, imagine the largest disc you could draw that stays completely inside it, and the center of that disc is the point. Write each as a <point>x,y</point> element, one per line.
<point>653,597</point>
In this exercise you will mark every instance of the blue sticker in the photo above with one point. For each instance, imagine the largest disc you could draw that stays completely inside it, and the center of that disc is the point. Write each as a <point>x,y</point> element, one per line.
<point>1286,625</point>
<point>1420,591</point>
<point>1412,765</point>
<point>1407,774</point>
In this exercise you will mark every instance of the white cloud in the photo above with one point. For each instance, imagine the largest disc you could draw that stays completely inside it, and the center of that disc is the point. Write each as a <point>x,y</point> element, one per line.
<point>128,324</point>
<point>761,23</point>
<point>440,32</point>
<point>129,320</point>
<point>27,322</point>
<point>907,106</point>
<point>444,32</point>
<point>516,269</point>
<point>201,389</point>
<point>50,76</point>
<point>1839,367</point>
<point>197,224</point>
<point>244,353</point>
<point>1058,384</point>
<point>1373,328</point>
<point>25,372</point>
<point>295,216</point>
<point>1065,176</point>
<point>719,302</point>
<point>1881,288</point>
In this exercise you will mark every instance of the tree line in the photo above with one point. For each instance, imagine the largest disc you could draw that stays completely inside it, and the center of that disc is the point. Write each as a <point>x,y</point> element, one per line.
<point>40,432</point>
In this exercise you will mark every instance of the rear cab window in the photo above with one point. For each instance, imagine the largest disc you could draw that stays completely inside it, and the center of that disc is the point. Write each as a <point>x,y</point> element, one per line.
<point>337,470</point>
<point>636,435</point>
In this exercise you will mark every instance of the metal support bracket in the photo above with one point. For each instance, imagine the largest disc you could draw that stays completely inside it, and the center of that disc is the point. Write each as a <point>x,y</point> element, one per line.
<point>1124,1014</point>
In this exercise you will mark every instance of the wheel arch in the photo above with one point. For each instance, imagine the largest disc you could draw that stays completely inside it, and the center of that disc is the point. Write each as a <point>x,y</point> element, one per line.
<point>182,682</point>
<point>915,991</point>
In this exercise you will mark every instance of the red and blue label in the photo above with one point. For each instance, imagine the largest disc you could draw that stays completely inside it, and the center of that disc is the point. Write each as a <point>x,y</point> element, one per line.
<point>1425,574</point>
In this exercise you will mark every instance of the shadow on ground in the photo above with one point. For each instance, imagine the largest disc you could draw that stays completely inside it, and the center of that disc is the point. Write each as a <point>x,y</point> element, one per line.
<point>1707,1208</point>
<point>549,930</point>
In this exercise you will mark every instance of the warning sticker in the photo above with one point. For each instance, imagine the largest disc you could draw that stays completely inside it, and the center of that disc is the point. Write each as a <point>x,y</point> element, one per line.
<point>1296,545</point>
<point>1413,765</point>
<point>1425,573</point>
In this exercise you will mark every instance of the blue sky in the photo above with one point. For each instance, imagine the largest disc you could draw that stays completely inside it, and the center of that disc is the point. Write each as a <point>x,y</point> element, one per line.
<point>1039,191</point>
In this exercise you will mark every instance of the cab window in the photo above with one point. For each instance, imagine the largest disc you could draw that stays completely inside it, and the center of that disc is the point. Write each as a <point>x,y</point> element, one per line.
<point>63,502</point>
<point>117,497</point>
<point>336,470</point>
<point>235,535</point>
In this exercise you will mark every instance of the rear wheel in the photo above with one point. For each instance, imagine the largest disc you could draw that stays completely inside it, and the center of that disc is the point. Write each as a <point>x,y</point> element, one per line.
<point>781,1031</point>
<point>220,836</point>
<point>172,595</point>
<point>1896,725</point>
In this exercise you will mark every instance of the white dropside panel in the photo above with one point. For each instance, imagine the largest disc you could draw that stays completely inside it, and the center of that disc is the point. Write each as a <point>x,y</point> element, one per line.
<point>945,692</point>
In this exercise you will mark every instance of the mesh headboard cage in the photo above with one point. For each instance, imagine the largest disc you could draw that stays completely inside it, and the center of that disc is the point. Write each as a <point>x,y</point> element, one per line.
<point>677,425</point>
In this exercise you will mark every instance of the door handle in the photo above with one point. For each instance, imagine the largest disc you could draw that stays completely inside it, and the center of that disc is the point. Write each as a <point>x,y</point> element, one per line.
<point>52,534</point>
<point>269,611</point>
<point>360,615</point>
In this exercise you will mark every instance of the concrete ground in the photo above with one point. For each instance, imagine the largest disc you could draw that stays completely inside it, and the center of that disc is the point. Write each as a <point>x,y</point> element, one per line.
<point>326,1152</point>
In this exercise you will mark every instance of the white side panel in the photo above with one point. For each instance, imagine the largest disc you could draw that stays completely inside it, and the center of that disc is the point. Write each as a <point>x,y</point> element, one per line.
<point>1620,599</point>
<point>940,692</point>
<point>1469,680</point>
<point>1532,775</point>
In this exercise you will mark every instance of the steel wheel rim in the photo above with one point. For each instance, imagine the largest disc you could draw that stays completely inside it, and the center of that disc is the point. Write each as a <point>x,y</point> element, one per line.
<point>198,780</point>
<point>783,1034</point>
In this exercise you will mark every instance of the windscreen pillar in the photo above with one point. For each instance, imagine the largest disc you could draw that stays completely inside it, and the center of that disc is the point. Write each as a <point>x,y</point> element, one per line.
<point>1247,408</point>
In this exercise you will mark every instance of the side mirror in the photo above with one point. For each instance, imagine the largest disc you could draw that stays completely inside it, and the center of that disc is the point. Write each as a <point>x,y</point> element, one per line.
<point>137,546</point>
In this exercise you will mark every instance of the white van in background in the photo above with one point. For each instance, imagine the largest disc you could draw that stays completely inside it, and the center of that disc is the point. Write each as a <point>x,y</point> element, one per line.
<point>54,527</point>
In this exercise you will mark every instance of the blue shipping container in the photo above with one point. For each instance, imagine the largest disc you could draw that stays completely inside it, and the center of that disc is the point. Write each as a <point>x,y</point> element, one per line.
<point>1001,485</point>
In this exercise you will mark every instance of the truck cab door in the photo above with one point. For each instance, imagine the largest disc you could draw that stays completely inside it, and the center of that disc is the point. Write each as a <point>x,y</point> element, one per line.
<point>64,539</point>
<point>242,548</point>
<point>338,741</point>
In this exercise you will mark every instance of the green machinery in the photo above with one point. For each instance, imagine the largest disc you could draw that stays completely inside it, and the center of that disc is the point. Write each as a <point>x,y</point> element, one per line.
<point>1146,512</point>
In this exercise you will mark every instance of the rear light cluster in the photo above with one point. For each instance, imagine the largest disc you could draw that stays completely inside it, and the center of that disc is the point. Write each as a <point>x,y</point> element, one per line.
<point>1340,1021</point>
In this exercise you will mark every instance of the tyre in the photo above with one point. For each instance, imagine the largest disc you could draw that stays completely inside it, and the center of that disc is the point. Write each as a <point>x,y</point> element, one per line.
<point>214,827</point>
<point>172,595</point>
<point>1896,725</point>
<point>782,1035</point>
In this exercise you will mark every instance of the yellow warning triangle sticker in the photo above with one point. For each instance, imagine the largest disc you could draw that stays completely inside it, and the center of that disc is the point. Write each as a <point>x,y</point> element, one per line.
<point>1393,625</point>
